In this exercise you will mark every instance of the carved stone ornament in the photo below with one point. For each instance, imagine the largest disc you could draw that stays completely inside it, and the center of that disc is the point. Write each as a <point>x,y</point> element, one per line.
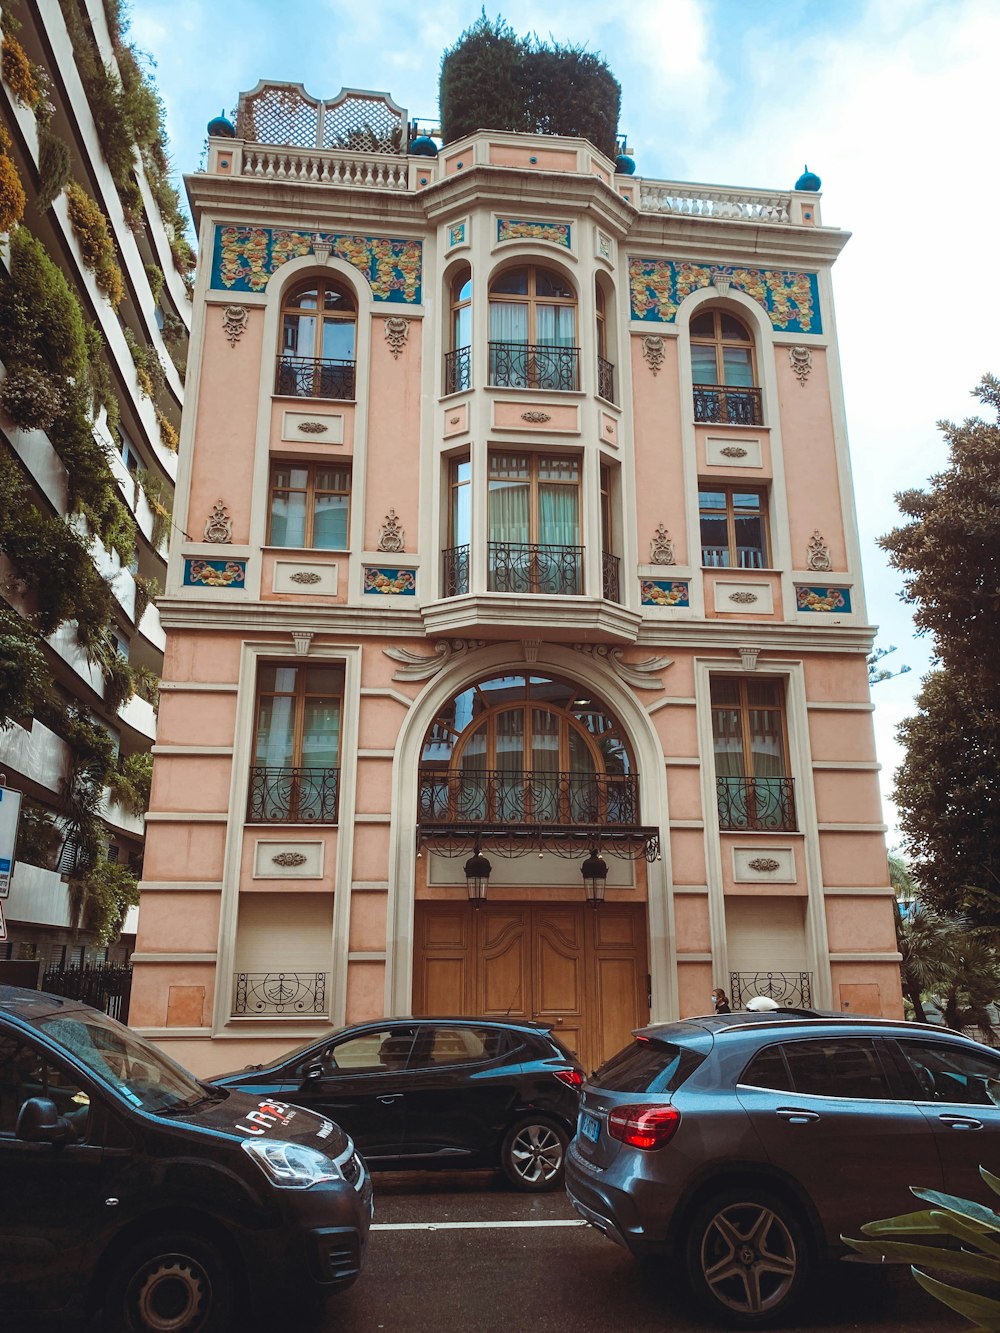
<point>819,554</point>
<point>748,658</point>
<point>653,349</point>
<point>391,536</point>
<point>416,666</point>
<point>733,451</point>
<point>289,859</point>
<point>234,322</point>
<point>529,647</point>
<point>313,427</point>
<point>219,526</point>
<point>801,361</point>
<point>397,331</point>
<point>453,421</point>
<point>643,675</point>
<point>536,417</point>
<point>721,280</point>
<point>764,864</point>
<point>305,576</point>
<point>302,638</point>
<point>743,598</point>
<point>661,548</point>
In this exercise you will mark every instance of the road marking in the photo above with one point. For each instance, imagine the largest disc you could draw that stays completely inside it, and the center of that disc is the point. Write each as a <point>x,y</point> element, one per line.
<point>475,1226</point>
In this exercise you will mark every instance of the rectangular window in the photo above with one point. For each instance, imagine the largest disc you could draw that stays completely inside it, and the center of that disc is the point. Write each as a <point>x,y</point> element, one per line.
<point>733,528</point>
<point>534,523</point>
<point>751,770</point>
<point>296,744</point>
<point>310,506</point>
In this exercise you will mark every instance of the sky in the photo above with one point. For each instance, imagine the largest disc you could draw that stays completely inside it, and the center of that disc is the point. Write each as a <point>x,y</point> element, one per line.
<point>891,102</point>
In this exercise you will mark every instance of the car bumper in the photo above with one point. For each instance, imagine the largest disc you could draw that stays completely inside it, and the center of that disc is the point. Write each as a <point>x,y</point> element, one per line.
<point>629,1212</point>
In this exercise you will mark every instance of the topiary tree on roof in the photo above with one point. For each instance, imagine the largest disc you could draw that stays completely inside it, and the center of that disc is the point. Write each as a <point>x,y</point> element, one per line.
<point>493,79</point>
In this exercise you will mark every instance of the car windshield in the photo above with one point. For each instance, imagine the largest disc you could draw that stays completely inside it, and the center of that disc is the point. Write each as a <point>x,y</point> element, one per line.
<point>139,1073</point>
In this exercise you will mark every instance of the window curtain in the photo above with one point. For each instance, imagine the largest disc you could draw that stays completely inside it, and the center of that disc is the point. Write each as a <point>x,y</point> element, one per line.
<point>508,322</point>
<point>559,525</point>
<point>555,325</point>
<point>275,746</point>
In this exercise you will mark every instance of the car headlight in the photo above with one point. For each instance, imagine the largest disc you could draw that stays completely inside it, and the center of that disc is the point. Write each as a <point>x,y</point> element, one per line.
<point>289,1165</point>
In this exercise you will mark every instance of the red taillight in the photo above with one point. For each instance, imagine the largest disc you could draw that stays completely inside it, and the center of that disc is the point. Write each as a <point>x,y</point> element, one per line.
<point>571,1077</point>
<point>645,1127</point>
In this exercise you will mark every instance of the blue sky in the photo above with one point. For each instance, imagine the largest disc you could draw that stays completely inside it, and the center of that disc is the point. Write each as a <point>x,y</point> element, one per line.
<point>892,102</point>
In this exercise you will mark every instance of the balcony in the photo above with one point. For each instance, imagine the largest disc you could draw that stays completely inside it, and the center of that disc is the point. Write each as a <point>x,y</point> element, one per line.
<point>528,366</point>
<point>293,795</point>
<point>455,571</point>
<point>610,579</point>
<point>727,406</point>
<point>529,567</point>
<point>605,380</point>
<point>458,370</point>
<point>718,557</point>
<point>761,805</point>
<point>268,993</point>
<point>791,989</point>
<point>314,377</point>
<point>526,799</point>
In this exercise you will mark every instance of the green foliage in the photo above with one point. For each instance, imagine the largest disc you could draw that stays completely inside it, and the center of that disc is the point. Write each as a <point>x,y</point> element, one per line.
<point>101,896</point>
<point>38,838</point>
<point>92,762</point>
<point>156,280</point>
<point>147,685</point>
<point>119,683</point>
<point>146,590</point>
<point>41,323</point>
<point>55,164</point>
<point>966,1240</point>
<point>130,783</point>
<point>54,562</point>
<point>25,682</point>
<point>493,79</point>
<point>12,196</point>
<point>31,398</point>
<point>18,72</point>
<point>155,492</point>
<point>97,245</point>
<point>149,367</point>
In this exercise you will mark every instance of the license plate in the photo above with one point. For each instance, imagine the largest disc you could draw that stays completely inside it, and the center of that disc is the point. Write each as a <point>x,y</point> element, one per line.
<point>590,1128</point>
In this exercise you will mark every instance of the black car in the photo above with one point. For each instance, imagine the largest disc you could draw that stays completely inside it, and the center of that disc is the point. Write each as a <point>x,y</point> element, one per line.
<point>134,1195</point>
<point>747,1144</point>
<point>438,1091</point>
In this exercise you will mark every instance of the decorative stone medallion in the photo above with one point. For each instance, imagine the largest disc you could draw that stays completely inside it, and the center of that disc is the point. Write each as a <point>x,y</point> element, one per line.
<point>732,451</point>
<point>764,864</point>
<point>219,526</point>
<point>304,576</point>
<point>391,536</point>
<point>535,417</point>
<point>289,859</point>
<point>313,427</point>
<point>234,322</point>
<point>801,361</point>
<point>661,548</point>
<point>653,350</point>
<point>743,598</point>
<point>397,331</point>
<point>819,554</point>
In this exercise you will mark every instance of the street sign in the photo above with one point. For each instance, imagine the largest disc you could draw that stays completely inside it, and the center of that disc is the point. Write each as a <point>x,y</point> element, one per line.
<point>3,926</point>
<point>10,813</point>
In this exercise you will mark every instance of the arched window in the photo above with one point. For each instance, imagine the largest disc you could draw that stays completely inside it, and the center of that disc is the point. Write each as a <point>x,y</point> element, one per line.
<point>526,750</point>
<point>533,330</point>
<point>458,361</point>
<point>723,370</point>
<point>318,328</point>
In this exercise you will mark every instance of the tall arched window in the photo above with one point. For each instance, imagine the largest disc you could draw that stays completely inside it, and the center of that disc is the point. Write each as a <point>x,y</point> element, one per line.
<point>533,330</point>
<point>723,370</point>
<point>458,360</point>
<point>318,328</point>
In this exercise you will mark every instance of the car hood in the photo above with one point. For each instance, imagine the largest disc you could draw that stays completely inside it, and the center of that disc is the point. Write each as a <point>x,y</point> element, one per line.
<point>244,1115</point>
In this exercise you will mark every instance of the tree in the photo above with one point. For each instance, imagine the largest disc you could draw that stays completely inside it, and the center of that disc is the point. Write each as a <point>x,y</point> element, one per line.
<point>948,786</point>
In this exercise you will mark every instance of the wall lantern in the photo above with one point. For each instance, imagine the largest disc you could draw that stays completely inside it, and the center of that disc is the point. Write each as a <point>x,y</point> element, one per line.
<point>595,875</point>
<point>322,249</point>
<point>477,876</point>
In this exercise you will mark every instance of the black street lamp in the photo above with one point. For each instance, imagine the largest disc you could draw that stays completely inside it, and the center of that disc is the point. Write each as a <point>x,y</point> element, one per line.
<point>595,874</point>
<point>477,876</point>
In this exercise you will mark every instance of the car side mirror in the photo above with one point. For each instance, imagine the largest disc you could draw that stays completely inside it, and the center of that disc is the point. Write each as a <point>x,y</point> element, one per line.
<point>313,1071</point>
<point>39,1121</point>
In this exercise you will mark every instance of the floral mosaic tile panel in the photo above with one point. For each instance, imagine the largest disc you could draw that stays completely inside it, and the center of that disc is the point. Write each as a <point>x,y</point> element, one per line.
<point>823,600</point>
<point>517,229</point>
<point>663,592</point>
<point>245,258</point>
<point>215,573</point>
<point>456,235</point>
<point>398,582</point>
<point>658,286</point>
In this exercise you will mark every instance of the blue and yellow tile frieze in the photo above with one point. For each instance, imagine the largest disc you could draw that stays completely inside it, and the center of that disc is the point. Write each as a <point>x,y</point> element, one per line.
<point>663,592</point>
<point>658,286</point>
<point>245,258</point>
<point>215,573</point>
<point>389,582</point>
<point>824,601</point>
<point>518,229</point>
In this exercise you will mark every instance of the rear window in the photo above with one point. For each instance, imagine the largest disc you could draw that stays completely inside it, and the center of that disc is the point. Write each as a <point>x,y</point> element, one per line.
<point>649,1066</point>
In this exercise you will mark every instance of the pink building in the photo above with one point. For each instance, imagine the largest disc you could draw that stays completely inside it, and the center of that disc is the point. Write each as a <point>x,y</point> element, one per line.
<point>521,563</point>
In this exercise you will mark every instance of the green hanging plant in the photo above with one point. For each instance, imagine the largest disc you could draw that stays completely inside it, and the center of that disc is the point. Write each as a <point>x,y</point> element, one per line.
<point>31,398</point>
<point>119,683</point>
<point>130,783</point>
<point>146,590</point>
<point>38,837</point>
<point>147,685</point>
<point>55,164</point>
<point>25,680</point>
<point>97,246</point>
<point>100,897</point>
<point>12,197</point>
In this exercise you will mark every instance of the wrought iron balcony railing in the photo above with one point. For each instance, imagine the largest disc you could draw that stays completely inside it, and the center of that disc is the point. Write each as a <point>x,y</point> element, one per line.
<point>610,580</point>
<point>532,567</point>
<point>791,989</point>
<point>761,804</point>
<point>735,407</point>
<point>280,993</point>
<point>718,557</point>
<point>605,380</point>
<point>496,796</point>
<point>528,366</point>
<point>454,571</point>
<point>314,377</point>
<point>458,370</point>
<point>293,795</point>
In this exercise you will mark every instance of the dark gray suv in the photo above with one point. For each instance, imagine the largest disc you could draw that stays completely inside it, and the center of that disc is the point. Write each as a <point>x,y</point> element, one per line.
<point>746,1144</point>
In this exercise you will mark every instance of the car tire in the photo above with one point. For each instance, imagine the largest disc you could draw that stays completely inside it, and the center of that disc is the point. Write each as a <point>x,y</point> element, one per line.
<point>747,1256</point>
<point>174,1282</point>
<point>533,1154</point>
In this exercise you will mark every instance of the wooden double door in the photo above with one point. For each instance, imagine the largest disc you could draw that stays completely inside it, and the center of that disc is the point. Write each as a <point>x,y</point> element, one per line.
<point>582,969</point>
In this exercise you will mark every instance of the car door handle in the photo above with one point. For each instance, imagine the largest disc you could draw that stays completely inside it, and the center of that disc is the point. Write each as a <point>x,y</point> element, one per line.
<point>389,1098</point>
<point>796,1116</point>
<point>960,1122</point>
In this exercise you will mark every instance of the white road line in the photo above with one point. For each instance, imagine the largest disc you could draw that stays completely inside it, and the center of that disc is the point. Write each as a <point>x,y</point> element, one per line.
<point>474,1226</point>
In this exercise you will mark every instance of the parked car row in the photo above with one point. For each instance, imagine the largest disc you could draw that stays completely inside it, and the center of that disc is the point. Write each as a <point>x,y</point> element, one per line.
<point>744,1144</point>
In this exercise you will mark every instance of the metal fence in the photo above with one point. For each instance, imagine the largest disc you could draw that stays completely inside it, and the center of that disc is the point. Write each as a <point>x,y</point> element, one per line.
<point>105,986</point>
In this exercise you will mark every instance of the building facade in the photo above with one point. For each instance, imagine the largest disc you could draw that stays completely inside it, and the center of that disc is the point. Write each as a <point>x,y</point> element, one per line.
<point>520,531</point>
<point>120,461</point>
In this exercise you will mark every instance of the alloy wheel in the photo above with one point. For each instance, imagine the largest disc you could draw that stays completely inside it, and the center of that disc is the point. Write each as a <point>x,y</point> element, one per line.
<point>749,1258</point>
<point>536,1154</point>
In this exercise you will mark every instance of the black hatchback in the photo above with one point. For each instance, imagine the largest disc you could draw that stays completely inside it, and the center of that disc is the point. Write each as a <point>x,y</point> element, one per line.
<point>438,1092</point>
<point>133,1195</point>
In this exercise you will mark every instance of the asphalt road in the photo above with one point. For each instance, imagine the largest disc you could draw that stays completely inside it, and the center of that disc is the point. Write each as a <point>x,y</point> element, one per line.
<point>461,1252</point>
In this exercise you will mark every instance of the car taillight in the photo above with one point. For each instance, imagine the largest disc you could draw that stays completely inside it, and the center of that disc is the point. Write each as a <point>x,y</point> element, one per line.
<point>571,1077</point>
<point>645,1127</point>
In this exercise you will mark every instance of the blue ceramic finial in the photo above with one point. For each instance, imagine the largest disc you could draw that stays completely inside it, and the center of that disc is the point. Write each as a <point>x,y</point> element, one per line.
<point>808,181</point>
